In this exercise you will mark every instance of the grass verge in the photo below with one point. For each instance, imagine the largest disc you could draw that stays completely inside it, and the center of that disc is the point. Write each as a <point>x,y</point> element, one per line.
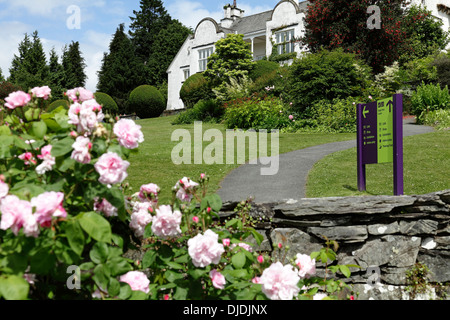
<point>426,169</point>
<point>153,162</point>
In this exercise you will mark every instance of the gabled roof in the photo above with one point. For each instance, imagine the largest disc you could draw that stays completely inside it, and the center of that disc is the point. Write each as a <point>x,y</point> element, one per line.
<point>253,23</point>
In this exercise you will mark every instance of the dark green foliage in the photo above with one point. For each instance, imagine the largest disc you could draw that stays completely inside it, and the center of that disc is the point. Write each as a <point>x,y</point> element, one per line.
<point>194,89</point>
<point>56,76</point>
<point>29,69</point>
<point>424,34</point>
<point>331,24</point>
<point>121,70</point>
<point>257,113</point>
<point>338,115</point>
<point>168,41</point>
<point>325,75</point>
<point>107,102</point>
<point>429,97</point>
<point>272,83</point>
<point>147,102</point>
<point>1,76</point>
<point>146,24</point>
<point>262,68</point>
<point>442,64</point>
<point>73,64</point>
<point>6,88</point>
<point>58,103</point>
<point>205,111</point>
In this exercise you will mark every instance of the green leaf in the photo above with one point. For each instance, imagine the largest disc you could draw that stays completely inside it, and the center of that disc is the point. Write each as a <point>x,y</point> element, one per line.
<point>172,276</point>
<point>125,291</point>
<point>5,146</point>
<point>14,288</point>
<point>39,129</point>
<point>96,226</point>
<point>75,237</point>
<point>149,259</point>
<point>138,295</point>
<point>119,266</point>
<point>62,147</point>
<point>345,270</point>
<point>238,260</point>
<point>180,293</point>
<point>258,237</point>
<point>213,201</point>
<point>101,276</point>
<point>99,253</point>
<point>43,261</point>
<point>113,287</point>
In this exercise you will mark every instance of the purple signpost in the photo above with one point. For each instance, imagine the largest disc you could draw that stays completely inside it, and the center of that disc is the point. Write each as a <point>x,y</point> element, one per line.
<point>380,138</point>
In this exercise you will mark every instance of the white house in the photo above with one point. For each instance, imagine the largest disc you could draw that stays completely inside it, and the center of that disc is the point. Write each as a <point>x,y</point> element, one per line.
<point>264,31</point>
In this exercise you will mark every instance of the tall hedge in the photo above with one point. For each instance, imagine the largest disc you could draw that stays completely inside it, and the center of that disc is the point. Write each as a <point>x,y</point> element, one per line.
<point>147,102</point>
<point>108,103</point>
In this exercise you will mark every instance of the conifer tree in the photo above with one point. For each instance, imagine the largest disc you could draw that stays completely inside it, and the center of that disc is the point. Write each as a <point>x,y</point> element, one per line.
<point>121,71</point>
<point>73,65</point>
<point>56,75</point>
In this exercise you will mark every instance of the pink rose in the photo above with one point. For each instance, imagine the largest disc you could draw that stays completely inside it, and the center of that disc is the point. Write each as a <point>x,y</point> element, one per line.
<point>17,99</point>
<point>112,168</point>
<point>260,259</point>
<point>48,205</point>
<point>128,133</point>
<point>18,214</point>
<point>140,219</point>
<point>4,189</point>
<point>106,208</point>
<point>80,95</point>
<point>166,223</point>
<point>195,219</point>
<point>218,280</point>
<point>82,150</point>
<point>242,245</point>
<point>149,192</point>
<point>205,249</point>
<point>280,282</point>
<point>41,92</point>
<point>256,280</point>
<point>48,160</point>
<point>226,242</point>
<point>291,117</point>
<point>137,280</point>
<point>306,265</point>
<point>185,187</point>
<point>90,115</point>
<point>27,158</point>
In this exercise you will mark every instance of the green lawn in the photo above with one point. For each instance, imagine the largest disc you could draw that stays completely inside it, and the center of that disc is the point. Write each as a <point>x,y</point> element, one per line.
<point>426,169</point>
<point>153,162</point>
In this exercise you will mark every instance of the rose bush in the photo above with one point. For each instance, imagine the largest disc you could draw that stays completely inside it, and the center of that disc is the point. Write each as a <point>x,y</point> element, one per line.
<point>63,204</point>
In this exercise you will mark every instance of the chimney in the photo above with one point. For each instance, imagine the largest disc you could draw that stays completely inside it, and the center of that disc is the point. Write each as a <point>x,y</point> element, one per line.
<point>231,14</point>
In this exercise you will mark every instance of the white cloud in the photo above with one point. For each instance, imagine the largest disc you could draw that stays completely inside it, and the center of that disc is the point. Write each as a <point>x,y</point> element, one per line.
<point>190,13</point>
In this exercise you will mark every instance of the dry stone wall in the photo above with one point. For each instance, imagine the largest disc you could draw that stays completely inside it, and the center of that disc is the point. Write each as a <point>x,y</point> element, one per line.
<point>385,235</point>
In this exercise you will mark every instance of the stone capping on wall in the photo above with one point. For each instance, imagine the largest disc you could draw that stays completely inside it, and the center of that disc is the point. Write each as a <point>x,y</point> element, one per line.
<point>385,233</point>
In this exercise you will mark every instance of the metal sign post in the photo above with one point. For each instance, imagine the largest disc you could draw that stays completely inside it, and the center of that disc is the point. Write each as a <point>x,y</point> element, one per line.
<point>380,138</point>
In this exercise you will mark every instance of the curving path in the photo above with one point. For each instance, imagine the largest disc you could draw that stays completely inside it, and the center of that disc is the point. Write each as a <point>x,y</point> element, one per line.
<point>290,181</point>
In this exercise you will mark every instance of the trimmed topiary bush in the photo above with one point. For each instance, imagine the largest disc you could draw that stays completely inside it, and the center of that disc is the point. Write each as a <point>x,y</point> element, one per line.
<point>108,103</point>
<point>147,102</point>
<point>194,89</point>
<point>58,103</point>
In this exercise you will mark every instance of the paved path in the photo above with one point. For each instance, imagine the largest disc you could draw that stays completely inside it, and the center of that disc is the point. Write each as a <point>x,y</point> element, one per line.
<point>290,181</point>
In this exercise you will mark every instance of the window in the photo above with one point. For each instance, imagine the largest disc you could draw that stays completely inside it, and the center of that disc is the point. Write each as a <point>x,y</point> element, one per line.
<point>187,74</point>
<point>283,39</point>
<point>203,58</point>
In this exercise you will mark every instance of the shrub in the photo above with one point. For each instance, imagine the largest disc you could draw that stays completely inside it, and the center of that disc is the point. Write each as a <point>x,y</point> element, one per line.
<point>429,97</point>
<point>440,119</point>
<point>263,67</point>
<point>442,65</point>
<point>108,103</point>
<point>205,110</point>
<point>273,83</point>
<point>257,113</point>
<point>326,75</point>
<point>6,88</point>
<point>234,89</point>
<point>336,116</point>
<point>194,89</point>
<point>147,102</point>
<point>58,103</point>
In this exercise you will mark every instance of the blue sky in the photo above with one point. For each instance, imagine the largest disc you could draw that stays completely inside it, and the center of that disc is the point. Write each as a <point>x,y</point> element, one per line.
<point>98,22</point>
